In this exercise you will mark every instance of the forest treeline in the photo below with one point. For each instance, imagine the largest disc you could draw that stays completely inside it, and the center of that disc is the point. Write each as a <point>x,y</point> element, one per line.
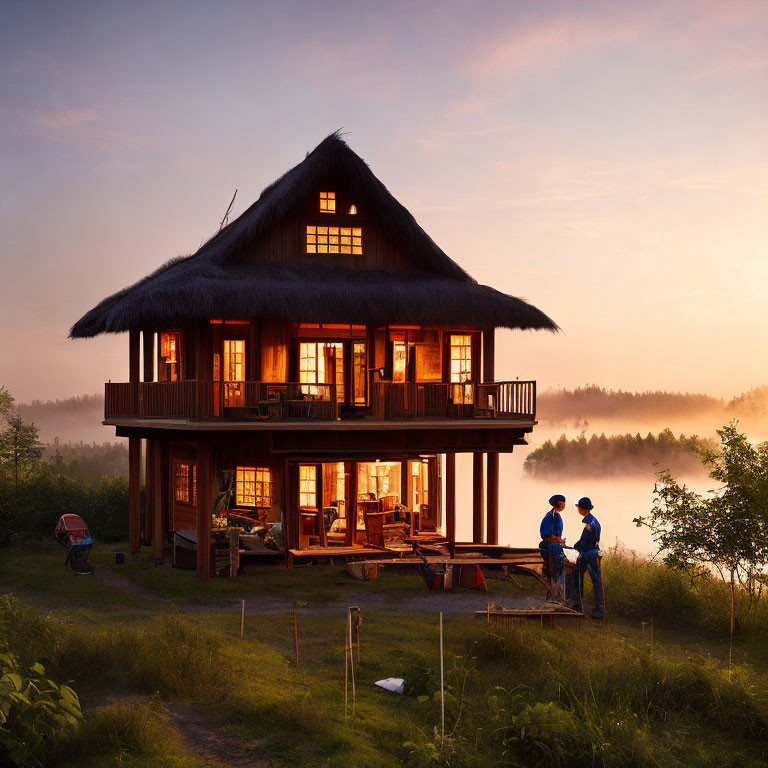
<point>595,402</point>
<point>70,420</point>
<point>88,461</point>
<point>601,456</point>
<point>39,482</point>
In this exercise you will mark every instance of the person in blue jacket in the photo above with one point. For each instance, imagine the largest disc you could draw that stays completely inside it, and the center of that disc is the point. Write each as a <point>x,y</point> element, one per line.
<point>588,547</point>
<point>551,545</point>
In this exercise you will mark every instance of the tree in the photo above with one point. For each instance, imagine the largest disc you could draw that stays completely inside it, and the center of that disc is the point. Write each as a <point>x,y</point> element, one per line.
<point>725,531</point>
<point>6,403</point>
<point>20,449</point>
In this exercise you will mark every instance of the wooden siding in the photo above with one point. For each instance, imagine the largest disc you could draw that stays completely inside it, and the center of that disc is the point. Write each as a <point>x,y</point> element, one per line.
<point>286,240</point>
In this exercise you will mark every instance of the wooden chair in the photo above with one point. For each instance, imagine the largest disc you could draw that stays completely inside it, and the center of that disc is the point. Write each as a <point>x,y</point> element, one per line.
<point>427,521</point>
<point>374,522</point>
<point>388,504</point>
<point>311,528</point>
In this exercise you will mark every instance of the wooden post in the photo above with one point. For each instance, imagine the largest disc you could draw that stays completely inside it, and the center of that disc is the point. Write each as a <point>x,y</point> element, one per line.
<point>233,540</point>
<point>493,498</point>
<point>204,509</point>
<point>492,459</point>
<point>489,344</point>
<point>478,498</point>
<point>450,496</point>
<point>156,490</point>
<point>296,635</point>
<point>351,511</point>
<point>733,624</point>
<point>242,618</point>
<point>134,339</point>
<point>148,344</point>
<point>134,499</point>
<point>442,684</point>
<point>149,497</point>
<point>351,658</point>
<point>404,483</point>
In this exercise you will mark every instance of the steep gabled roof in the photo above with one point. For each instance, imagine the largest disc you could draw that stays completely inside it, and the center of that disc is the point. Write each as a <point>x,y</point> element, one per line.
<point>333,158</point>
<point>214,282</point>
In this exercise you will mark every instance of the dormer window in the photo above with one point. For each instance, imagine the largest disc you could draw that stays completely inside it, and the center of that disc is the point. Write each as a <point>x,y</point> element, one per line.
<point>327,202</point>
<point>335,240</point>
<point>352,209</point>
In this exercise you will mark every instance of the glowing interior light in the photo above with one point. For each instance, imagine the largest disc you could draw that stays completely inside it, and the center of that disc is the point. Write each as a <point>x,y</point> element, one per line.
<point>334,240</point>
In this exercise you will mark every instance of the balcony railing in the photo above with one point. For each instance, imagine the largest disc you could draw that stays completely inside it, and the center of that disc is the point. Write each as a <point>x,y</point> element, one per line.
<point>291,401</point>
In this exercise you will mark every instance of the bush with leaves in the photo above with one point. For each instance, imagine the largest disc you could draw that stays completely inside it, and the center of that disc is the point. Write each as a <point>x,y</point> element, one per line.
<point>725,532</point>
<point>35,713</point>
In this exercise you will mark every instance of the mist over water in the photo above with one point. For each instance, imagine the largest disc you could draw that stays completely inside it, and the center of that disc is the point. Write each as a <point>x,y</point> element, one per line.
<point>617,499</point>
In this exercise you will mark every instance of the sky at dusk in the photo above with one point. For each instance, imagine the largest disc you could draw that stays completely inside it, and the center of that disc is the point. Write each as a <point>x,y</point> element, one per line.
<point>606,161</point>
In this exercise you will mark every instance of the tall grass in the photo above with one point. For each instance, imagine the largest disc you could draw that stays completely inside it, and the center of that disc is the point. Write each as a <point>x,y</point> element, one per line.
<point>637,589</point>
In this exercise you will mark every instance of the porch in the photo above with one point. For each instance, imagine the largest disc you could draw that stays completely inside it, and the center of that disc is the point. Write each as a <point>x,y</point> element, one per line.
<point>292,402</point>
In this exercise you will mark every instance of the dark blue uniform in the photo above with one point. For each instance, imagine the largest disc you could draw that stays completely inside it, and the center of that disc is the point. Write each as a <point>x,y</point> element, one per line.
<point>552,552</point>
<point>588,547</point>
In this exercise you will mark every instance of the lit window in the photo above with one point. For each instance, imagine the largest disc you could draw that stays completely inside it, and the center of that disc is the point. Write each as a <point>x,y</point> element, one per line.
<point>359,372</point>
<point>234,372</point>
<point>327,202</point>
<point>253,487</point>
<point>168,368</point>
<point>334,240</point>
<point>307,485</point>
<point>316,360</point>
<point>352,209</point>
<point>185,482</point>
<point>461,367</point>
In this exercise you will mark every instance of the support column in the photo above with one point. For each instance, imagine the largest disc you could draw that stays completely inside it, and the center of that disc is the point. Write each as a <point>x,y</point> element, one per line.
<point>155,491</point>
<point>478,498</point>
<point>134,356</point>
<point>148,347</point>
<point>492,459</point>
<point>134,450</point>
<point>204,509</point>
<point>493,498</point>
<point>134,498</point>
<point>450,496</point>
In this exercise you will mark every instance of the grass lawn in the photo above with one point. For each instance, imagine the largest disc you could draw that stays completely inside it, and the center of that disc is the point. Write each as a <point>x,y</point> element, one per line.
<point>520,695</point>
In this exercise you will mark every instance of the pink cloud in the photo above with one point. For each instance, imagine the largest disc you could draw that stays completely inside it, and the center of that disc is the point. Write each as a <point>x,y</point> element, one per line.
<point>544,46</point>
<point>82,127</point>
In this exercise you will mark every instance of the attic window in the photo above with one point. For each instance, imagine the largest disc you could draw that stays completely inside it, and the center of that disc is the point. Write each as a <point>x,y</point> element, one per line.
<point>334,240</point>
<point>327,202</point>
<point>352,209</point>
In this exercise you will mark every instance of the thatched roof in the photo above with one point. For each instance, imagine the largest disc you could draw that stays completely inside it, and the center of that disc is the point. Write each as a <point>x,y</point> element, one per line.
<point>214,282</point>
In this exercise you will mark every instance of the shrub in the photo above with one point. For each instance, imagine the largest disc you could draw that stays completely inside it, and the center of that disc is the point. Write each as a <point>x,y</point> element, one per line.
<point>33,511</point>
<point>25,633</point>
<point>35,712</point>
<point>128,726</point>
<point>176,659</point>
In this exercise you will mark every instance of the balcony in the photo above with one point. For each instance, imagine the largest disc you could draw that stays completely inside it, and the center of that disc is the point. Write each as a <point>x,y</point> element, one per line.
<point>275,403</point>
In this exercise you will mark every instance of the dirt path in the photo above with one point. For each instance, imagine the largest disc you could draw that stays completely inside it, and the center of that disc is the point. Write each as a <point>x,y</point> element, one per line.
<point>200,736</point>
<point>124,584</point>
<point>460,601</point>
<point>216,748</point>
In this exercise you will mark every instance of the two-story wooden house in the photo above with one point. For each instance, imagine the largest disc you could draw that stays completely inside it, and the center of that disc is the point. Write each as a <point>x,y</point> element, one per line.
<point>327,356</point>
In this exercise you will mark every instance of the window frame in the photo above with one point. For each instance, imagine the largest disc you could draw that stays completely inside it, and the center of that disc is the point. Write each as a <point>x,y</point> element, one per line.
<point>261,491</point>
<point>185,482</point>
<point>329,198</point>
<point>330,240</point>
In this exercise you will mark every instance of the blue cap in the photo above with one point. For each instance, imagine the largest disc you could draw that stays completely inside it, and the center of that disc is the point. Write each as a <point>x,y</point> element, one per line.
<point>585,503</point>
<point>557,497</point>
